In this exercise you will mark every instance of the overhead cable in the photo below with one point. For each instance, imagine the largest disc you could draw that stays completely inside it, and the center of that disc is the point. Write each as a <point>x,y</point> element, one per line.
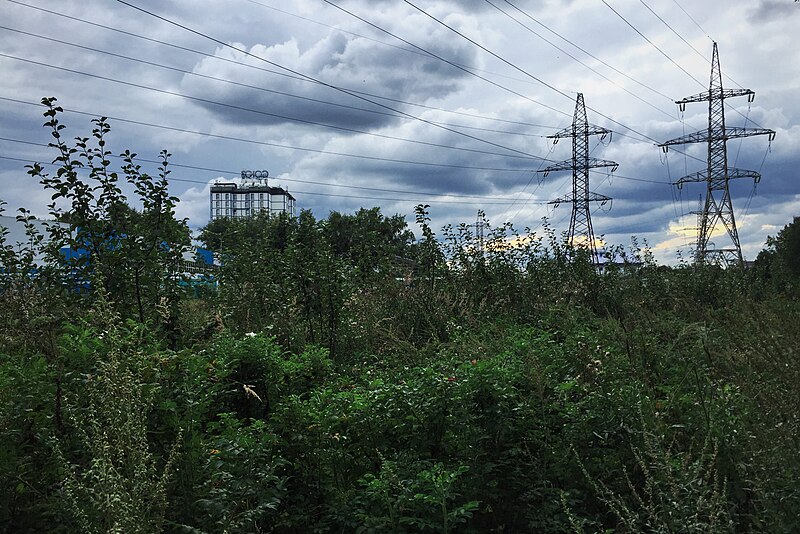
<point>283,93</point>
<point>445,60</point>
<point>493,54</point>
<point>277,145</point>
<point>652,43</point>
<point>572,43</point>
<point>261,112</point>
<point>306,76</point>
<point>335,195</point>
<point>310,182</point>
<point>551,43</point>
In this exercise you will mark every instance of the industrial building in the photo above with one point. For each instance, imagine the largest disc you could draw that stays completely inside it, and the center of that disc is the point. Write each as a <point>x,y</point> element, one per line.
<point>249,198</point>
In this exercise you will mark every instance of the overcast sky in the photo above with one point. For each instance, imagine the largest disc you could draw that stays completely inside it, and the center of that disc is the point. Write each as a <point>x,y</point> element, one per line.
<point>353,103</point>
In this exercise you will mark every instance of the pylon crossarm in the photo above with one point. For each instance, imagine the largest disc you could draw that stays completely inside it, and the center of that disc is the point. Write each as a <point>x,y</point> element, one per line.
<point>589,130</point>
<point>700,176</point>
<point>567,165</point>
<point>694,137</point>
<point>595,197</point>
<point>594,163</point>
<point>560,166</point>
<point>716,95</point>
<point>570,199</point>
<point>704,136</point>
<point>735,133</point>
<point>566,132</point>
<point>733,174</point>
<point>744,173</point>
<point>597,130</point>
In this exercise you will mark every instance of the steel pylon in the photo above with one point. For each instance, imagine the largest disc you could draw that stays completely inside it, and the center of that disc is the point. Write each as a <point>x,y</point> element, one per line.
<point>581,233</point>
<point>480,230</point>
<point>717,206</point>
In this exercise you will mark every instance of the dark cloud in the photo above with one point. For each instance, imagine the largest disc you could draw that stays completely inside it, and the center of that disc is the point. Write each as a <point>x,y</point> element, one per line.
<point>374,80</point>
<point>773,10</point>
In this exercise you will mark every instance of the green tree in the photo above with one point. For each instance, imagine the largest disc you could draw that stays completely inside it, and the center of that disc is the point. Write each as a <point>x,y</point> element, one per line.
<point>779,262</point>
<point>369,241</point>
<point>225,235</point>
<point>136,252</point>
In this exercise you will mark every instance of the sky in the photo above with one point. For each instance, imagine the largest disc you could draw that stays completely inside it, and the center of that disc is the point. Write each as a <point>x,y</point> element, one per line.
<point>395,103</point>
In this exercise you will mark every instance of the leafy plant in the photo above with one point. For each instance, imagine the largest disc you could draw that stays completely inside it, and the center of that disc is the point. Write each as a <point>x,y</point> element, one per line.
<point>113,481</point>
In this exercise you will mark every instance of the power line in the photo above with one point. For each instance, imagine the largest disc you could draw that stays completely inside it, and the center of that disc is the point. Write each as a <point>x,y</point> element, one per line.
<point>645,136</point>
<point>679,36</point>
<point>378,41</point>
<point>440,58</point>
<point>282,93</point>
<point>651,42</point>
<point>693,48</point>
<point>261,112</point>
<point>526,201</point>
<point>298,75</point>
<point>299,78</point>
<point>551,43</point>
<point>354,34</point>
<point>438,21</point>
<point>330,86</point>
<point>310,182</point>
<point>283,74</point>
<point>645,180</point>
<point>474,43</point>
<point>524,189</point>
<point>664,53</point>
<point>527,15</point>
<point>194,51</point>
<point>468,71</point>
<point>692,19</point>
<point>270,71</point>
<point>315,193</point>
<point>197,74</point>
<point>512,65</point>
<point>277,145</point>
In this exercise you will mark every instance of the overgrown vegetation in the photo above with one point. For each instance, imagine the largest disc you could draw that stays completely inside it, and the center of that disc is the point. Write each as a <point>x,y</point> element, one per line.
<point>344,376</point>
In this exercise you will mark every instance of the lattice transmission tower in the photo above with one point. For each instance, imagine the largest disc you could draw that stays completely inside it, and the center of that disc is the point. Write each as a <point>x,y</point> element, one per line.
<point>717,206</point>
<point>480,230</point>
<point>580,233</point>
